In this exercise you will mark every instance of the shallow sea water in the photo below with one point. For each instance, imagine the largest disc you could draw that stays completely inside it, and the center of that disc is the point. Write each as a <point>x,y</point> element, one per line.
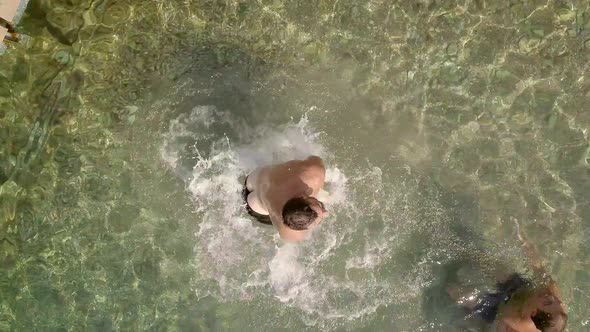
<point>127,128</point>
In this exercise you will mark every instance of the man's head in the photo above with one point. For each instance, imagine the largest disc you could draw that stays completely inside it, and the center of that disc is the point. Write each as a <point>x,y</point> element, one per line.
<point>300,213</point>
<point>548,313</point>
<point>541,311</point>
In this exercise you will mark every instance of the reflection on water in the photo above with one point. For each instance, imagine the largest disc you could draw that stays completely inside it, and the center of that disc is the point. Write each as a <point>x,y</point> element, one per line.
<point>443,123</point>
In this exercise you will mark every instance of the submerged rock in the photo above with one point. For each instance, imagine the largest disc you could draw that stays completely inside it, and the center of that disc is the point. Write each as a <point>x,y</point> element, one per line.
<point>528,44</point>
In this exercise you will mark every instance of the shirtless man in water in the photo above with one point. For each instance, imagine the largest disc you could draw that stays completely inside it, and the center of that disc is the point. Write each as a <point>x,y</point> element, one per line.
<point>519,304</point>
<point>285,196</point>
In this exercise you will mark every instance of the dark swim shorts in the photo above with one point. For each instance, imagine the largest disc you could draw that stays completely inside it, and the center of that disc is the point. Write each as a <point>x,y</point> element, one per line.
<point>261,218</point>
<point>488,304</point>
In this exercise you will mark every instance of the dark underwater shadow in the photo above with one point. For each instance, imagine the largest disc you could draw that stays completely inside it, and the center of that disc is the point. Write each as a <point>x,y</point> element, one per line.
<point>474,270</point>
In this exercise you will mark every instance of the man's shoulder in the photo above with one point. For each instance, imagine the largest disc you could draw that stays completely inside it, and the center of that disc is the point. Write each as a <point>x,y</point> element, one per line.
<point>315,164</point>
<point>313,159</point>
<point>290,235</point>
<point>314,174</point>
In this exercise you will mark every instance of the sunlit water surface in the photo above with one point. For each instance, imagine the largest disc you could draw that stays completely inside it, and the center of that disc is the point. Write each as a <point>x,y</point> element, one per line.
<point>127,128</point>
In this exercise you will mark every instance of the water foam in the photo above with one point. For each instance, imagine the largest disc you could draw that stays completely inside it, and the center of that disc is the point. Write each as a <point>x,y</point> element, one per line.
<point>341,271</point>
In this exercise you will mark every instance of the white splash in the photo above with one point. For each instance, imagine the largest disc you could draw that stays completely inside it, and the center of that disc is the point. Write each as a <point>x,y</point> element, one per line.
<point>332,275</point>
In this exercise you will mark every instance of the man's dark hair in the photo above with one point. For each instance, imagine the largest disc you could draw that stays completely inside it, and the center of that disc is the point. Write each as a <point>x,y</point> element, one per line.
<point>298,215</point>
<point>547,322</point>
<point>542,320</point>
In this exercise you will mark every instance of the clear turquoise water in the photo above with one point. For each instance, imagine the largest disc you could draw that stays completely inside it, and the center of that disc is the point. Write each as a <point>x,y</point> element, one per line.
<point>125,128</point>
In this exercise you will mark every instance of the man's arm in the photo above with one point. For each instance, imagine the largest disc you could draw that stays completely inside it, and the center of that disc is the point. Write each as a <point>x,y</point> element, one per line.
<point>291,235</point>
<point>533,256</point>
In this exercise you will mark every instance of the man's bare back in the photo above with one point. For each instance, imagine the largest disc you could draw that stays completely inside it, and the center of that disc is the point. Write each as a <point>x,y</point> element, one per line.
<point>288,194</point>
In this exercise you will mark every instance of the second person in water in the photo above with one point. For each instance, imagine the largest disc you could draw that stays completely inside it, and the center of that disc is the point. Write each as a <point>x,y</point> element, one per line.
<point>285,195</point>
